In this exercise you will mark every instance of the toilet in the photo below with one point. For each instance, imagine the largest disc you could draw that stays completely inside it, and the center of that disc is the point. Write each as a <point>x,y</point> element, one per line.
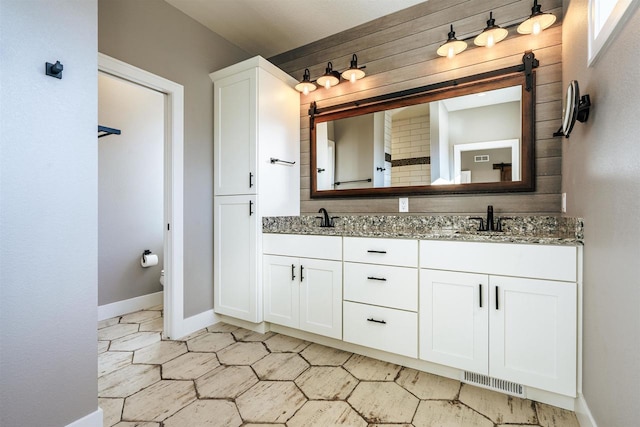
<point>162,277</point>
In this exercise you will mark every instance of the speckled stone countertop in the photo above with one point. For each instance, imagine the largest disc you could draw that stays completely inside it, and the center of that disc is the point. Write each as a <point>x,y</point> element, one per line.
<point>547,230</point>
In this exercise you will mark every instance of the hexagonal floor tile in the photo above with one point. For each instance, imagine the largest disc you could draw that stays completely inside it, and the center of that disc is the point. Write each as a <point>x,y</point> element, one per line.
<point>280,367</point>
<point>210,342</point>
<point>116,331</point>
<point>128,380</point>
<point>103,346</point>
<point>155,325</point>
<point>111,410</point>
<point>242,353</point>
<point>284,344</point>
<point>192,335</point>
<point>108,322</point>
<point>444,413</point>
<point>500,408</point>
<point>136,424</point>
<point>159,401</point>
<point>226,382</point>
<point>140,316</point>
<point>368,369</point>
<point>250,336</point>
<point>326,383</point>
<point>320,355</point>
<point>270,402</point>
<point>384,402</point>
<point>206,413</point>
<point>322,414</point>
<point>160,352</point>
<point>134,341</point>
<point>551,416</point>
<point>222,327</point>
<point>189,366</point>
<point>112,361</point>
<point>428,386</point>
<point>263,425</point>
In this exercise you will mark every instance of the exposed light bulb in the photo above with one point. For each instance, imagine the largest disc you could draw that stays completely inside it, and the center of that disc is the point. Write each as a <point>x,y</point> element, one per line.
<point>352,79</point>
<point>536,28</point>
<point>305,90</point>
<point>490,41</point>
<point>451,53</point>
<point>327,84</point>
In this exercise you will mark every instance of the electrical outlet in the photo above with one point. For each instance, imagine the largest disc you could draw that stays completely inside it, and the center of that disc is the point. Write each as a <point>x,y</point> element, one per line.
<point>403,204</point>
<point>564,202</point>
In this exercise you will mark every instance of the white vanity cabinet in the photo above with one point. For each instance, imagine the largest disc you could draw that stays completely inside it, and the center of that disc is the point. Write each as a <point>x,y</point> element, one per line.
<point>504,310</point>
<point>303,282</point>
<point>381,294</point>
<point>256,119</point>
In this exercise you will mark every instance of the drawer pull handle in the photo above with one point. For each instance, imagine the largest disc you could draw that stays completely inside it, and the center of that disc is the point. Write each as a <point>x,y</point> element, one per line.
<point>382,279</point>
<point>376,321</point>
<point>376,252</point>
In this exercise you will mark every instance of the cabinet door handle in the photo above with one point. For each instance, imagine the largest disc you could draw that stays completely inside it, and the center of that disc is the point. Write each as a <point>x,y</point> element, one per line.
<point>376,321</point>
<point>497,291</point>
<point>293,272</point>
<point>250,207</point>
<point>376,252</point>
<point>301,273</point>
<point>250,180</point>
<point>480,294</point>
<point>382,279</point>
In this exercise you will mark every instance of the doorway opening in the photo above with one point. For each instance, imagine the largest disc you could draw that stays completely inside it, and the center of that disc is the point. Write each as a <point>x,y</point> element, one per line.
<point>171,212</point>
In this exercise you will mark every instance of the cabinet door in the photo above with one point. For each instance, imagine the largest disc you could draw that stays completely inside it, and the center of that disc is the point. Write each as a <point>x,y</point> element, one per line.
<point>281,290</point>
<point>234,267</point>
<point>454,319</point>
<point>321,297</point>
<point>533,333</point>
<point>234,142</point>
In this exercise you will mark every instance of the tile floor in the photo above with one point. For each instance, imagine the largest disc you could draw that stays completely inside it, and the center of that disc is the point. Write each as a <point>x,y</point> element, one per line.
<point>228,376</point>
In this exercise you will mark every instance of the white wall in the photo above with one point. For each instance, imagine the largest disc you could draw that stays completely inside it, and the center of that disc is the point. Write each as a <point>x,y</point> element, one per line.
<point>601,176</point>
<point>48,213</point>
<point>354,153</point>
<point>130,189</point>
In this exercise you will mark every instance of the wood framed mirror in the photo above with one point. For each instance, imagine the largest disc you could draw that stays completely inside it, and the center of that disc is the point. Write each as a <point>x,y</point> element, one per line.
<point>471,135</point>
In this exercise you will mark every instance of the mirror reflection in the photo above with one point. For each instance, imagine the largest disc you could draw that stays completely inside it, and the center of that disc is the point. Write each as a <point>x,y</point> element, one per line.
<point>474,138</point>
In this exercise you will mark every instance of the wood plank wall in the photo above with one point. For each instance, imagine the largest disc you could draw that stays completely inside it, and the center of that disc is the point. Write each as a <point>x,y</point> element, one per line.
<point>399,51</point>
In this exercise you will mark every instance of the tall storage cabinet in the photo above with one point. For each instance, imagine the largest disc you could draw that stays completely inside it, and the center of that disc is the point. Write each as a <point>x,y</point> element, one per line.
<point>256,174</point>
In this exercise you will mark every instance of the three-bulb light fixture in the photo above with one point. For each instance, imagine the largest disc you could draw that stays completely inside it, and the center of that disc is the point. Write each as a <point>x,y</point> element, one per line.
<point>331,77</point>
<point>493,33</point>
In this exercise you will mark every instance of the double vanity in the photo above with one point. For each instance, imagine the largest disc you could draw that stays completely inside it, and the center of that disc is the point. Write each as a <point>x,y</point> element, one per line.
<point>499,310</point>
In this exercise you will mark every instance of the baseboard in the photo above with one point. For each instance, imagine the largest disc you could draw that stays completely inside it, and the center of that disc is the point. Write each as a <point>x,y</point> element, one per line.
<point>583,413</point>
<point>261,327</point>
<point>119,308</point>
<point>94,419</point>
<point>195,323</point>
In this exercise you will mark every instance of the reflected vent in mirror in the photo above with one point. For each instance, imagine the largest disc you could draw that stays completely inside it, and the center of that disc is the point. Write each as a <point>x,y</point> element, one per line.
<point>481,159</point>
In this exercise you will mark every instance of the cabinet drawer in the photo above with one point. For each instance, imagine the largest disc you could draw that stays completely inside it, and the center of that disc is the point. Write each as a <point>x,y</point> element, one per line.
<point>303,246</point>
<point>398,334</point>
<point>395,287</point>
<point>506,259</point>
<point>401,252</point>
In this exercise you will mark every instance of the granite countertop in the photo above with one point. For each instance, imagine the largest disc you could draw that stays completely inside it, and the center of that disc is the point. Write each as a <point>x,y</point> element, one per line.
<point>546,230</point>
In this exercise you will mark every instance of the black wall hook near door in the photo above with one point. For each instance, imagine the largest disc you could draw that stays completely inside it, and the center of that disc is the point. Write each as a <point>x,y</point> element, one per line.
<point>105,131</point>
<point>54,70</point>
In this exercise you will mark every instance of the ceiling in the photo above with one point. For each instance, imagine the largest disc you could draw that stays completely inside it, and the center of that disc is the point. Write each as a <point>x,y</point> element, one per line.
<point>270,27</point>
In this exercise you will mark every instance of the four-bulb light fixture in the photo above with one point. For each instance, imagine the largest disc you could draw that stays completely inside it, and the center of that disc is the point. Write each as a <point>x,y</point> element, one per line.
<point>331,77</point>
<point>493,33</point>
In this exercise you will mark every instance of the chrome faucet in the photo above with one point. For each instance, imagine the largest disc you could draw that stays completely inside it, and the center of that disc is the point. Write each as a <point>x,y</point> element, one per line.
<point>325,220</point>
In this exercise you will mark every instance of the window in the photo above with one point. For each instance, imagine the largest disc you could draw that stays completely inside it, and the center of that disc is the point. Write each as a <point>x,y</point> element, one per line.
<point>606,19</point>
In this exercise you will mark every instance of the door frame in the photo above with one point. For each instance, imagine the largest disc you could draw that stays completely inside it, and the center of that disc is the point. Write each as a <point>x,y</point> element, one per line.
<point>173,293</point>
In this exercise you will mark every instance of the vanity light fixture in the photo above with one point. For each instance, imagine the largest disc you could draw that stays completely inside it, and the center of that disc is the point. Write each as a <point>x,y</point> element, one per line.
<point>354,72</point>
<point>306,86</point>
<point>537,22</point>
<point>330,78</point>
<point>453,46</point>
<point>491,35</point>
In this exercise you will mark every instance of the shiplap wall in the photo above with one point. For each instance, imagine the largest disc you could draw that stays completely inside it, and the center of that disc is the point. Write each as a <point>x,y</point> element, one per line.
<point>399,51</point>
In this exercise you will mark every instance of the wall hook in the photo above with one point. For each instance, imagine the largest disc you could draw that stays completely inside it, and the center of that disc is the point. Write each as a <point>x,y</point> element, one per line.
<point>54,70</point>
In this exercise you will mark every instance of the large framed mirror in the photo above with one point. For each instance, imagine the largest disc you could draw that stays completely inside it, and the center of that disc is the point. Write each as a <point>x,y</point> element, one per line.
<point>474,135</point>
